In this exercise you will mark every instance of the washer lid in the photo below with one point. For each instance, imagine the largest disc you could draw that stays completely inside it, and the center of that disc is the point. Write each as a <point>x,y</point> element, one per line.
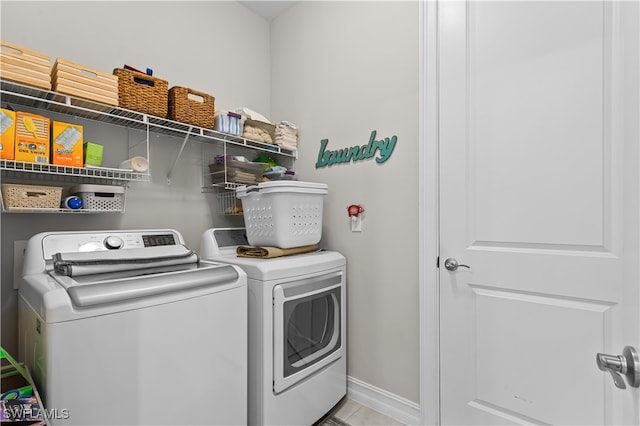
<point>57,298</point>
<point>87,291</point>
<point>104,261</point>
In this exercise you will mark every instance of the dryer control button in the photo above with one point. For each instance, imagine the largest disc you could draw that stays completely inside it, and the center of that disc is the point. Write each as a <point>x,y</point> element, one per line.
<point>113,243</point>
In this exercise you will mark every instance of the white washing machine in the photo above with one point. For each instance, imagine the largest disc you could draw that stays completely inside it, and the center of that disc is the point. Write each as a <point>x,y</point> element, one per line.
<point>130,327</point>
<point>297,330</point>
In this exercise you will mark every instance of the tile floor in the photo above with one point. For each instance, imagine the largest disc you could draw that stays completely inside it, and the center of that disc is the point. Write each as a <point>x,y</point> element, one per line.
<point>351,413</point>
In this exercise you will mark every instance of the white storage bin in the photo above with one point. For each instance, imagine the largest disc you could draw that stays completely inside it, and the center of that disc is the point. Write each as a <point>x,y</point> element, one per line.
<point>283,214</point>
<point>100,197</point>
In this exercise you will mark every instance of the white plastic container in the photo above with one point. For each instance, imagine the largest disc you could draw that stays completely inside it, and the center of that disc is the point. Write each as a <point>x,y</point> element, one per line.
<point>283,214</point>
<point>100,197</point>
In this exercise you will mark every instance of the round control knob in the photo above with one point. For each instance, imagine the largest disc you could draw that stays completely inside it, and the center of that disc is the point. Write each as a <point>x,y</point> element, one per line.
<point>113,242</point>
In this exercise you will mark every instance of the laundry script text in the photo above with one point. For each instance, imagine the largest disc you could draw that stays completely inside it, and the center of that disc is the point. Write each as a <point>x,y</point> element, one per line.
<point>383,148</point>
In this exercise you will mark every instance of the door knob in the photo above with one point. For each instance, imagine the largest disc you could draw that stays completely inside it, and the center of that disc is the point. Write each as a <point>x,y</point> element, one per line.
<point>451,264</point>
<point>626,364</point>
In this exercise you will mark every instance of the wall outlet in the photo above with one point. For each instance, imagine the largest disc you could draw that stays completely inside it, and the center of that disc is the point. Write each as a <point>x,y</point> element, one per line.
<point>356,224</point>
<point>18,256</point>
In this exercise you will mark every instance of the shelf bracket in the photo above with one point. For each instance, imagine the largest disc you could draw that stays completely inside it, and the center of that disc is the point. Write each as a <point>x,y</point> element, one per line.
<point>173,166</point>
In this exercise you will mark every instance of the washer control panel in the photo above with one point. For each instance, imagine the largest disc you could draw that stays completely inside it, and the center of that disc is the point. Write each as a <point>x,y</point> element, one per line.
<point>75,242</point>
<point>113,242</point>
<point>158,240</point>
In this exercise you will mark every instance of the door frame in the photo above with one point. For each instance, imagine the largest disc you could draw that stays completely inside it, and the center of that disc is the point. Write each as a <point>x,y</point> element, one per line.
<point>428,204</point>
<point>428,217</point>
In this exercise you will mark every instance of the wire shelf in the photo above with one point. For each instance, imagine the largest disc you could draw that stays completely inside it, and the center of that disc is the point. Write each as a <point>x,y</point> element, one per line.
<point>20,94</point>
<point>13,93</point>
<point>57,211</point>
<point>228,204</point>
<point>85,172</point>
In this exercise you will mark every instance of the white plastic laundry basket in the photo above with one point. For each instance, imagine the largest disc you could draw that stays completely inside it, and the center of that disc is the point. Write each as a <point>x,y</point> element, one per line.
<point>283,214</point>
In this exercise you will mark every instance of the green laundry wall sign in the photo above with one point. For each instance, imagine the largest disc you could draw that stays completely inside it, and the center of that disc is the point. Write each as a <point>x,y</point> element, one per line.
<point>380,149</point>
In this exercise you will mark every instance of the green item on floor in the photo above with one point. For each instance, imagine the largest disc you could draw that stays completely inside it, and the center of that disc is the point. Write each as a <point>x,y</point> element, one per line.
<point>15,380</point>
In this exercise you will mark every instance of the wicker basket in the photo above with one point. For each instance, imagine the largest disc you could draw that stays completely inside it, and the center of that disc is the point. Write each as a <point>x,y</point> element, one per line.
<point>16,196</point>
<point>143,93</point>
<point>191,107</point>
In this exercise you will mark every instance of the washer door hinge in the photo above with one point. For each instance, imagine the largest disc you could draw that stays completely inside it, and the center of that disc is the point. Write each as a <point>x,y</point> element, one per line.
<point>438,262</point>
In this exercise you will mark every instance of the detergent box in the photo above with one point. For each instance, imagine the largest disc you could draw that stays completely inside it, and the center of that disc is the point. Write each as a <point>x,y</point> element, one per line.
<point>66,144</point>
<point>93,154</point>
<point>32,138</point>
<point>7,134</point>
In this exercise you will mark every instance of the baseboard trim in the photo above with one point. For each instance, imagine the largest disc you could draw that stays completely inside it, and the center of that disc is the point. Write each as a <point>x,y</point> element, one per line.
<point>384,402</point>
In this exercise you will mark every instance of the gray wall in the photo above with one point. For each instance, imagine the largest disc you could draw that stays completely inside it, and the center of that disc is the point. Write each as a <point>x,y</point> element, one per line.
<point>185,44</point>
<point>336,69</point>
<point>339,71</point>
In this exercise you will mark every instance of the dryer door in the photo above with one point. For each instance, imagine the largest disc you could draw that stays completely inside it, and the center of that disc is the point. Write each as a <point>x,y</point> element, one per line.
<point>307,323</point>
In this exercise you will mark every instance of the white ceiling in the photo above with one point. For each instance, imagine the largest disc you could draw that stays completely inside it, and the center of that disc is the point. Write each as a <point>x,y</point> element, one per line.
<point>268,9</point>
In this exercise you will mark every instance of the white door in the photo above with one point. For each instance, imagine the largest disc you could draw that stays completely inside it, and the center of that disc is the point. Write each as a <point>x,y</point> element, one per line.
<point>539,196</point>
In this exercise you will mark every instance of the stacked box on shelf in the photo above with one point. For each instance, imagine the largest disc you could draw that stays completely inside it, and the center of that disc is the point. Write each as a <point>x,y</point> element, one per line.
<point>24,65</point>
<point>84,82</point>
<point>33,133</point>
<point>66,144</point>
<point>7,134</point>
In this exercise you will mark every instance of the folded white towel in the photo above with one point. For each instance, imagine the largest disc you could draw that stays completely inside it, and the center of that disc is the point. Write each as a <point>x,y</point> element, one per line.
<point>288,147</point>
<point>287,140</point>
<point>280,132</point>
<point>256,134</point>
<point>286,126</point>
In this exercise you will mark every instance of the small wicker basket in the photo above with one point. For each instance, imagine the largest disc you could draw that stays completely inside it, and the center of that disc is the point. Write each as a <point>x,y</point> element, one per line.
<point>191,107</point>
<point>16,196</point>
<point>142,92</point>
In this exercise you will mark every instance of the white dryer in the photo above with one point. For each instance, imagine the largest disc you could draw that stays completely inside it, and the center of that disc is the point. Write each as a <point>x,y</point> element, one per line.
<point>130,327</point>
<point>297,330</point>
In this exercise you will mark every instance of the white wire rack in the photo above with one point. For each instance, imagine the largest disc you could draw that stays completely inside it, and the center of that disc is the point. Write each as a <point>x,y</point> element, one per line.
<point>20,94</point>
<point>13,93</point>
<point>84,172</point>
<point>228,204</point>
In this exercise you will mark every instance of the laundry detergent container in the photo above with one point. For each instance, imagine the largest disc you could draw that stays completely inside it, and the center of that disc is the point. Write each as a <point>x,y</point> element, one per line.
<point>283,214</point>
